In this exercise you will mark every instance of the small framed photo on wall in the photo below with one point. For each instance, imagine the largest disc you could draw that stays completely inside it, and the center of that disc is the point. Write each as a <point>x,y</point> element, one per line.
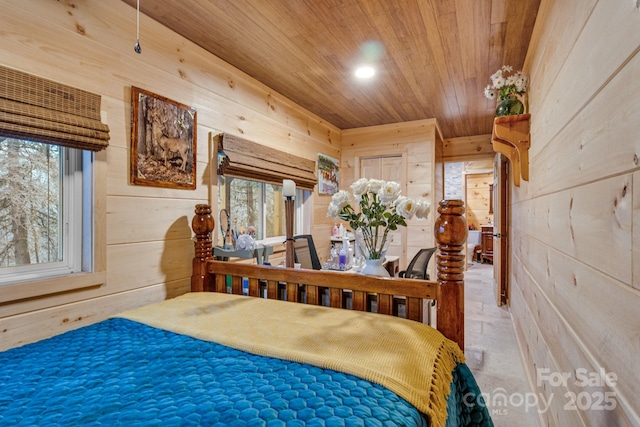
<point>163,141</point>
<point>328,174</point>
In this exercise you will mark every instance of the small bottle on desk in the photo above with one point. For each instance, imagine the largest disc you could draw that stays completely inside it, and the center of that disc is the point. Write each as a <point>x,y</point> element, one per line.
<point>343,255</point>
<point>333,260</point>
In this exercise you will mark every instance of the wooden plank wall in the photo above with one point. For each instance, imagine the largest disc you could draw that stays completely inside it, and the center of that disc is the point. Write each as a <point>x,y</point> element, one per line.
<point>477,199</point>
<point>477,154</point>
<point>89,44</point>
<point>575,231</point>
<point>467,148</point>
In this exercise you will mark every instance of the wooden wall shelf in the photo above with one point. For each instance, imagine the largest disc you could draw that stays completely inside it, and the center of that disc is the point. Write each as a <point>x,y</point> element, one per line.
<point>511,137</point>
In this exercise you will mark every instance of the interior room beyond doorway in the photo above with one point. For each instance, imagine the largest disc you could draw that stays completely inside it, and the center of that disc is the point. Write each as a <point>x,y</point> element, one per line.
<point>472,182</point>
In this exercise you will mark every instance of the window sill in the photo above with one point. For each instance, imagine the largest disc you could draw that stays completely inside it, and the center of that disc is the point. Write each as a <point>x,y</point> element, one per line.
<point>53,285</point>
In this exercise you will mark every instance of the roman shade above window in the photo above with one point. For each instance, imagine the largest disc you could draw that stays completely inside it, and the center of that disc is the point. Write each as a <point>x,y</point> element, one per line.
<point>240,158</point>
<point>42,110</point>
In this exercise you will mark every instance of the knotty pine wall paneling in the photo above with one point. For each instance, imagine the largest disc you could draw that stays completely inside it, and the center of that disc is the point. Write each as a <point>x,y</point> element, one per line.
<point>467,148</point>
<point>148,240</point>
<point>478,198</point>
<point>574,265</point>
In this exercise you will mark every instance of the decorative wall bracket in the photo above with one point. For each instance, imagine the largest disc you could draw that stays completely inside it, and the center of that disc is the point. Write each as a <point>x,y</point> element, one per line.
<point>511,137</point>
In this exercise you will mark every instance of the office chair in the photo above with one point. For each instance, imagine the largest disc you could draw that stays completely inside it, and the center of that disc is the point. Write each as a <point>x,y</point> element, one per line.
<point>304,252</point>
<point>417,268</point>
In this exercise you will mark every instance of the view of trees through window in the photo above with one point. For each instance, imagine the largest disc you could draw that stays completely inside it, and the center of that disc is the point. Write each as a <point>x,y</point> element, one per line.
<point>253,203</point>
<point>30,202</point>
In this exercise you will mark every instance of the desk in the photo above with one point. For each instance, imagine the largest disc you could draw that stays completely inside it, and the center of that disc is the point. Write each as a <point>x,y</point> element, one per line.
<point>261,254</point>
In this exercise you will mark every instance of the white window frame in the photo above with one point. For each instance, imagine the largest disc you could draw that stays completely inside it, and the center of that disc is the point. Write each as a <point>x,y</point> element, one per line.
<point>302,217</point>
<point>302,212</point>
<point>77,223</point>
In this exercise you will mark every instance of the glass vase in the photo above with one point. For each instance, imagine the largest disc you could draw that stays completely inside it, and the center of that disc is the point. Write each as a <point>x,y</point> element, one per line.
<point>509,106</point>
<point>374,267</point>
<point>370,266</point>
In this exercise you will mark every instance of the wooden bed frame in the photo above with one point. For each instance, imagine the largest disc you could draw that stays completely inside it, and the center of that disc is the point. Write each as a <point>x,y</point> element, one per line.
<point>336,288</point>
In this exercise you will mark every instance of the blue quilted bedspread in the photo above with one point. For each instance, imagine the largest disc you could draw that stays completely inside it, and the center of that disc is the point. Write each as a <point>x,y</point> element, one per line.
<point>123,373</point>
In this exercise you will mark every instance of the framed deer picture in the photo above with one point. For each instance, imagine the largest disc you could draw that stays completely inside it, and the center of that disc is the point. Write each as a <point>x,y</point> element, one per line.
<point>163,141</point>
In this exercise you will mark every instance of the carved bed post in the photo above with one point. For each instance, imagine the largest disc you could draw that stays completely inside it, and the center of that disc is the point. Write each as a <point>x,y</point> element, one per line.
<point>451,234</point>
<point>202,225</point>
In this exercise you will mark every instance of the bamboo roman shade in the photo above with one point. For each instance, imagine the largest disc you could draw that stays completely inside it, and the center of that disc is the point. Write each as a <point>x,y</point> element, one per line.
<point>245,159</point>
<point>42,110</point>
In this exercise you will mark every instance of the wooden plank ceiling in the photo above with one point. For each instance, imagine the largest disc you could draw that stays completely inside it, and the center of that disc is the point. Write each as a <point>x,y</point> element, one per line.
<point>433,57</point>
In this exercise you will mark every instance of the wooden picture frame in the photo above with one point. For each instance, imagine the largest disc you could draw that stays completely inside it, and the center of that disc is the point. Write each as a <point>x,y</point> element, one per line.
<point>163,141</point>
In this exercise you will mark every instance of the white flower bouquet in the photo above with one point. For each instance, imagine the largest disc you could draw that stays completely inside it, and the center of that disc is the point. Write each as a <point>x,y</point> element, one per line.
<point>382,209</point>
<point>505,82</point>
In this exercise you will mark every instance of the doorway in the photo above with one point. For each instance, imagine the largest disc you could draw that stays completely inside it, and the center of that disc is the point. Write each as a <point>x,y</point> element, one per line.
<point>471,182</point>
<point>482,184</point>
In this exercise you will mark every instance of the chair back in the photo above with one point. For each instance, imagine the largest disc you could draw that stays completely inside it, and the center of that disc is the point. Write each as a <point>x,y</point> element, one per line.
<point>417,268</point>
<point>305,253</point>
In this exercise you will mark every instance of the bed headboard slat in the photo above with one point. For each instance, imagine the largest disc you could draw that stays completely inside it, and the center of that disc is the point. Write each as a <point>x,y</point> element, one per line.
<point>337,289</point>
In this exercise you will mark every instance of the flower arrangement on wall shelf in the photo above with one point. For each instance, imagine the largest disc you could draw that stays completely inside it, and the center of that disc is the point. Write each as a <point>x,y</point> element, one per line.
<point>508,87</point>
<point>381,209</point>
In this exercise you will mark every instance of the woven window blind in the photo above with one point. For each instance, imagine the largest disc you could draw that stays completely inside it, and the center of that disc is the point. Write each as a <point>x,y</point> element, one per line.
<point>42,110</point>
<point>241,158</point>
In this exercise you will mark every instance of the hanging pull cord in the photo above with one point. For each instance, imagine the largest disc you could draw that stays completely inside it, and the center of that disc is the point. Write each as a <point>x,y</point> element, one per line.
<point>137,47</point>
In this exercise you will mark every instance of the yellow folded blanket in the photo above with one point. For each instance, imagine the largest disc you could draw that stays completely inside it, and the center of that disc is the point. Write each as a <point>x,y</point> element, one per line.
<point>413,360</point>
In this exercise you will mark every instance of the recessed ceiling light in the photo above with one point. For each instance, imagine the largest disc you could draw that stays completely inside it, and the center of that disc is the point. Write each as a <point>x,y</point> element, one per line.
<point>365,72</point>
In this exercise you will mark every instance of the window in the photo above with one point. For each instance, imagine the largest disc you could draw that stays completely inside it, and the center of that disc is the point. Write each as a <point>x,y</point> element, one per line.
<point>250,186</point>
<point>45,210</point>
<point>261,205</point>
<point>52,207</point>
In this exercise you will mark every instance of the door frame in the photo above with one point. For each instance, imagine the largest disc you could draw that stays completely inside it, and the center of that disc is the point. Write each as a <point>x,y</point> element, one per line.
<point>501,215</point>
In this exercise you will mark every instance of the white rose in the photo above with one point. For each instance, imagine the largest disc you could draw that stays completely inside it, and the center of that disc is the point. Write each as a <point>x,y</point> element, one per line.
<point>360,187</point>
<point>406,207</point>
<point>333,211</point>
<point>422,209</point>
<point>338,202</point>
<point>340,199</point>
<point>389,192</point>
<point>375,185</point>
